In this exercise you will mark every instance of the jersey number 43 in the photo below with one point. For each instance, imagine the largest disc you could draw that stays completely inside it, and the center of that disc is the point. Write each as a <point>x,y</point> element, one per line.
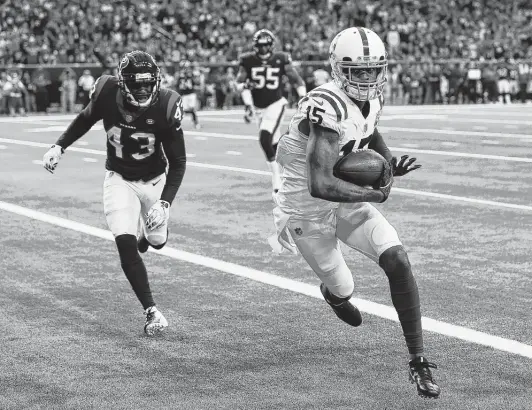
<point>143,143</point>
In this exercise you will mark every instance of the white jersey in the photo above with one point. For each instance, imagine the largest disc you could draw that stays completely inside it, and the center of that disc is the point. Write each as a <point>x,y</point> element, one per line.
<point>329,107</point>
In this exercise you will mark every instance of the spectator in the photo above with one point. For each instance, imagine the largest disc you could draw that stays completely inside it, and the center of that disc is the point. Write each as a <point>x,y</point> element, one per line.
<point>68,90</point>
<point>29,97</point>
<point>85,84</point>
<point>14,91</point>
<point>41,79</point>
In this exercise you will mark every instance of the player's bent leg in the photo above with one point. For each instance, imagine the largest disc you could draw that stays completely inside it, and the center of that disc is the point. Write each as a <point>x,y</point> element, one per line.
<point>269,137</point>
<point>362,227</point>
<point>134,268</point>
<point>320,248</point>
<point>405,296</point>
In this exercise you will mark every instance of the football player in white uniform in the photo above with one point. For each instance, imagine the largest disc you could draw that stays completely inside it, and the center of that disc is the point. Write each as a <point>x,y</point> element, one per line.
<point>315,210</point>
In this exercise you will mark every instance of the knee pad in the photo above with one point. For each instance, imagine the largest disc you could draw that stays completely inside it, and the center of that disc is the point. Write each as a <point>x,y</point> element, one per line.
<point>127,248</point>
<point>395,260</point>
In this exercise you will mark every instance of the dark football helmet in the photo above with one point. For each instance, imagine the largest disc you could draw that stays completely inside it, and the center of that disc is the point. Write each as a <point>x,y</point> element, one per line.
<point>263,41</point>
<point>139,78</point>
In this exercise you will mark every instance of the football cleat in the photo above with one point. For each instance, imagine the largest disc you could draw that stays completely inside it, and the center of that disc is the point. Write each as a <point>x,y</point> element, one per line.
<point>420,374</point>
<point>344,309</point>
<point>155,321</point>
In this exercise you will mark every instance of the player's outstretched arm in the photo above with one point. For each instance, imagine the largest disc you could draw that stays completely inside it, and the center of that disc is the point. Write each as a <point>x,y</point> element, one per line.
<point>77,128</point>
<point>322,153</point>
<point>83,122</point>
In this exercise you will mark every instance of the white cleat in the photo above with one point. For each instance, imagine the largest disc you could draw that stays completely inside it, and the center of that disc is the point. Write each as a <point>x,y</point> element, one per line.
<point>155,321</point>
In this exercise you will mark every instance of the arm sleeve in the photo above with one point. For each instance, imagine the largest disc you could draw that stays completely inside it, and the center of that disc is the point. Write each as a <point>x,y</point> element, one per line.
<point>80,126</point>
<point>377,144</point>
<point>174,148</point>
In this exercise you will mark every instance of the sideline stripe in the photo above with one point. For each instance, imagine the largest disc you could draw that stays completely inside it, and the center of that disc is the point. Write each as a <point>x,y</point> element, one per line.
<point>268,173</point>
<point>376,309</point>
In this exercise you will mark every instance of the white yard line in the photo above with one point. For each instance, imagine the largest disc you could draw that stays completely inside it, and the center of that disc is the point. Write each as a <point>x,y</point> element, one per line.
<point>372,308</point>
<point>260,172</point>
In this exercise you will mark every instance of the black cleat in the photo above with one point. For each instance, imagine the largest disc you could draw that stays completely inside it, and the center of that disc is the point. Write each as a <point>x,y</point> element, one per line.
<point>143,244</point>
<point>345,310</point>
<point>419,371</point>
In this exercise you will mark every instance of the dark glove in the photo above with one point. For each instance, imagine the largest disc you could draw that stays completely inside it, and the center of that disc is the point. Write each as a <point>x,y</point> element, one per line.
<point>404,166</point>
<point>385,183</point>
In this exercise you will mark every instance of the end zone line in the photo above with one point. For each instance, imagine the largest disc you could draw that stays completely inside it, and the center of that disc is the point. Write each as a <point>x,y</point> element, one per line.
<point>268,173</point>
<point>376,309</point>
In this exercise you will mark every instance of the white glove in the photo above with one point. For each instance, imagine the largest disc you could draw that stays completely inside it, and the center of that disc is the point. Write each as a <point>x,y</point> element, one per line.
<point>52,157</point>
<point>301,91</point>
<point>158,214</point>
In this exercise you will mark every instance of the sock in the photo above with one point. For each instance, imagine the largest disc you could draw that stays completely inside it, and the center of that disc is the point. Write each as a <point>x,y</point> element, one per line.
<point>266,140</point>
<point>194,117</point>
<point>134,269</point>
<point>405,296</point>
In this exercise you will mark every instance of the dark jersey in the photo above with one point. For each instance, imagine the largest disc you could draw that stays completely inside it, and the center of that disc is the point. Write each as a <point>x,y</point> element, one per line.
<point>187,83</point>
<point>503,72</point>
<point>134,139</point>
<point>266,76</point>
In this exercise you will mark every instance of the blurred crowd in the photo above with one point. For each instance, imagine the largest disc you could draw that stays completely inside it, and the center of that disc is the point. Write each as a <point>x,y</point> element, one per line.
<point>62,31</point>
<point>421,37</point>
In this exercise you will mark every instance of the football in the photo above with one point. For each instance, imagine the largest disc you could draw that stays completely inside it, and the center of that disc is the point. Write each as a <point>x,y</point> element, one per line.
<point>362,167</point>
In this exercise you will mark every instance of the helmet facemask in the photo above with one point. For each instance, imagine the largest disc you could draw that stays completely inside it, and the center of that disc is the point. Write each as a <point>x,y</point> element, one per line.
<point>140,90</point>
<point>139,80</point>
<point>362,81</point>
<point>263,44</point>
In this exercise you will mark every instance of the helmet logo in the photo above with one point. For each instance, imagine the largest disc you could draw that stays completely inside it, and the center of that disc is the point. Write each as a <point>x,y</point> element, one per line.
<point>124,63</point>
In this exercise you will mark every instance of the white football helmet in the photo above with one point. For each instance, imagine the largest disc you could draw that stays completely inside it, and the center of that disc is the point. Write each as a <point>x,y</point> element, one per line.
<point>359,63</point>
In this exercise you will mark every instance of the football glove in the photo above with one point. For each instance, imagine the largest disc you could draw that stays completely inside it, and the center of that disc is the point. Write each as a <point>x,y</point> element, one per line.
<point>404,166</point>
<point>385,183</point>
<point>158,214</point>
<point>52,157</point>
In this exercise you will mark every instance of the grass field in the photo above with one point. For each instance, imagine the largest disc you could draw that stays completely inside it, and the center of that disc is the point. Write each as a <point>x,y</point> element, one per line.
<point>249,329</point>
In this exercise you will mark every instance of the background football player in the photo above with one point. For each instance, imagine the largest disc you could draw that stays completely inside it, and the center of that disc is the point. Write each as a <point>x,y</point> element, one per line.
<point>315,209</point>
<point>187,83</point>
<point>140,120</point>
<point>260,79</point>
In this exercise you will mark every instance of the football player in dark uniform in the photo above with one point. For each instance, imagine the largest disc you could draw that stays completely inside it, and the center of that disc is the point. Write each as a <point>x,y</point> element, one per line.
<point>143,126</point>
<point>187,84</point>
<point>503,83</point>
<point>260,80</point>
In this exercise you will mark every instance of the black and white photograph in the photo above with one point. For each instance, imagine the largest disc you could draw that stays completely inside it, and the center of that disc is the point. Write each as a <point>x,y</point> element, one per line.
<point>266,204</point>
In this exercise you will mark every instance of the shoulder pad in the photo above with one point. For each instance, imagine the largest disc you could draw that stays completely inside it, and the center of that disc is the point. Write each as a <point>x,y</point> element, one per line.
<point>333,103</point>
<point>172,103</point>
<point>103,82</point>
<point>245,58</point>
<point>324,108</point>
